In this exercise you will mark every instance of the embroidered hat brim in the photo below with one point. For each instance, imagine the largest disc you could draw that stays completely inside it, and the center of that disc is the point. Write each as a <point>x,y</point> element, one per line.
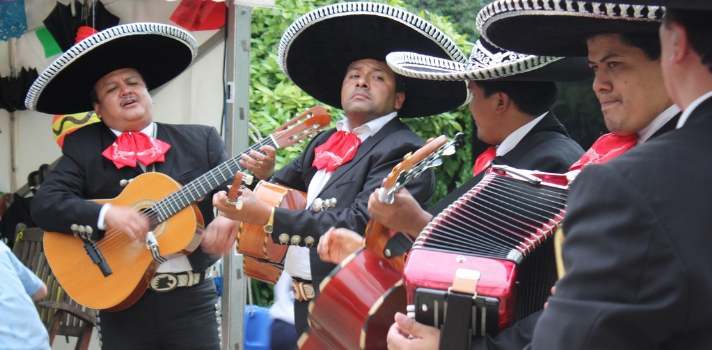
<point>159,52</point>
<point>702,5</point>
<point>317,48</point>
<point>561,27</point>
<point>489,63</point>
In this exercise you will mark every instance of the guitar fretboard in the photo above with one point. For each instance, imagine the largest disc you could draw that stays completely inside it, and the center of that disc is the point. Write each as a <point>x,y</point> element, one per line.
<point>194,190</point>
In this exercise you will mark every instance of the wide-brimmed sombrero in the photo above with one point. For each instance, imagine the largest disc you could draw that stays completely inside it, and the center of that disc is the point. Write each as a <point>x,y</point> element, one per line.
<point>703,5</point>
<point>158,51</point>
<point>490,63</point>
<point>317,48</point>
<point>560,28</point>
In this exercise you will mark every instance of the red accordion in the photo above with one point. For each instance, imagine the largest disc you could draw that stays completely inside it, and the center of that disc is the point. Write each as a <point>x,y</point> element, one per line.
<point>493,246</point>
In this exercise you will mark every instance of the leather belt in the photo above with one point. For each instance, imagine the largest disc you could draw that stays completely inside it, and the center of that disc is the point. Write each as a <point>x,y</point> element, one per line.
<point>303,291</point>
<point>168,281</point>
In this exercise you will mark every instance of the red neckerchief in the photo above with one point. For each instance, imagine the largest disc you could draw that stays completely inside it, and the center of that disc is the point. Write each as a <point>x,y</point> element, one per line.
<point>132,146</point>
<point>604,149</point>
<point>339,149</point>
<point>484,160</point>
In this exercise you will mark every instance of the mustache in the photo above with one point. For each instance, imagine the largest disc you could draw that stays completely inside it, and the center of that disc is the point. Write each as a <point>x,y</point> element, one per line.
<point>128,97</point>
<point>361,91</point>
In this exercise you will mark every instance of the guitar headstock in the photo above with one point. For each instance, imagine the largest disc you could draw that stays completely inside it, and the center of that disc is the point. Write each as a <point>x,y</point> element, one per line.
<point>301,126</point>
<point>415,164</point>
<point>236,189</point>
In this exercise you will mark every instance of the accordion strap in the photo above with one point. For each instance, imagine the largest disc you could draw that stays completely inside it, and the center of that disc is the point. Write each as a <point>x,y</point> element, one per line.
<point>455,333</point>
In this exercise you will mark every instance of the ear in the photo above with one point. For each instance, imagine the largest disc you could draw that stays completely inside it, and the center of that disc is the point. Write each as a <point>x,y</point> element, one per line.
<point>400,98</point>
<point>503,101</point>
<point>678,42</point>
<point>97,110</point>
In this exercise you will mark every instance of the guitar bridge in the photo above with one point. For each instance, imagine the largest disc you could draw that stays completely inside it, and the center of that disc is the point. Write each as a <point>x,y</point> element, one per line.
<point>152,245</point>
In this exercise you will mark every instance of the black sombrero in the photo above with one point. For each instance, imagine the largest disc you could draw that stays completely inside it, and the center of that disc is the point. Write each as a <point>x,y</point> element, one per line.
<point>703,5</point>
<point>317,48</point>
<point>158,51</point>
<point>561,27</point>
<point>490,63</point>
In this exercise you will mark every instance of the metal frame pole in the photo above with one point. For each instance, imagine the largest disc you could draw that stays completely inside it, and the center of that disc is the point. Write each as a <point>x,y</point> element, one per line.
<point>236,138</point>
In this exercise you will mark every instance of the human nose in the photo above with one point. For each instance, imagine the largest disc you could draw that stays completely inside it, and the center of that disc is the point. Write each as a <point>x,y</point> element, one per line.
<point>125,89</point>
<point>362,82</point>
<point>601,82</point>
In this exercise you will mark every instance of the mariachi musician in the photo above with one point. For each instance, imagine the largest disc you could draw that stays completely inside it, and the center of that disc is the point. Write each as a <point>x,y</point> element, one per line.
<point>337,55</point>
<point>112,72</point>
<point>624,52</point>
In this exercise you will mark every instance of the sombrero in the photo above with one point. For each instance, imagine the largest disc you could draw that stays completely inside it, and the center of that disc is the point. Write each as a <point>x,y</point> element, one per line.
<point>317,48</point>
<point>490,63</point>
<point>158,51</point>
<point>560,28</point>
<point>703,5</point>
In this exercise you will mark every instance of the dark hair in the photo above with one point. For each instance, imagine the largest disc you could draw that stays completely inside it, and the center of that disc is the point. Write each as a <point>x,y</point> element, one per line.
<point>531,97</point>
<point>699,31</point>
<point>95,97</point>
<point>648,42</point>
<point>400,83</point>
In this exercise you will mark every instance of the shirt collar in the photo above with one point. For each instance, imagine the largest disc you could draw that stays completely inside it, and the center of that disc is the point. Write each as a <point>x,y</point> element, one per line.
<point>657,123</point>
<point>514,138</point>
<point>147,130</point>
<point>366,130</point>
<point>691,108</point>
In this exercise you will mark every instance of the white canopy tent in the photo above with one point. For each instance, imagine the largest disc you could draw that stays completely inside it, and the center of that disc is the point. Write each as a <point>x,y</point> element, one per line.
<point>195,97</point>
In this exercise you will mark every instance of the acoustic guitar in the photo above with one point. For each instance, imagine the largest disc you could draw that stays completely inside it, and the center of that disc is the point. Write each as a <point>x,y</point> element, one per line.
<point>360,296</point>
<point>111,274</point>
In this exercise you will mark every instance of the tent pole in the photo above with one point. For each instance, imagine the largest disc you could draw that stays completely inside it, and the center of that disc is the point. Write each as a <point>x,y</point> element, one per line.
<point>237,117</point>
<point>14,123</point>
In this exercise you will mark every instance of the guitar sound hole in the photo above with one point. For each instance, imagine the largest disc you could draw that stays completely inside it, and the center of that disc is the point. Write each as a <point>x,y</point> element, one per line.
<point>152,218</point>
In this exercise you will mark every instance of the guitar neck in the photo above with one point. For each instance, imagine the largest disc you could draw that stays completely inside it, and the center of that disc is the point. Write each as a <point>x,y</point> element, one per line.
<point>203,185</point>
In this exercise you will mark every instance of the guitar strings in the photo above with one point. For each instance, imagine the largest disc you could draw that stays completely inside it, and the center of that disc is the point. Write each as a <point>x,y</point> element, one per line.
<point>164,208</point>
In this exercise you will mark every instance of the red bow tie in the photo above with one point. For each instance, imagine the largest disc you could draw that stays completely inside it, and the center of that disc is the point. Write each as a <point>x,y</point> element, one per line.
<point>132,146</point>
<point>339,149</point>
<point>604,149</point>
<point>484,160</point>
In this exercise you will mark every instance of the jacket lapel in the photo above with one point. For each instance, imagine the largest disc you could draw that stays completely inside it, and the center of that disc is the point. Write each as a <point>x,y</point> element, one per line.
<point>548,123</point>
<point>363,150</point>
<point>161,134</point>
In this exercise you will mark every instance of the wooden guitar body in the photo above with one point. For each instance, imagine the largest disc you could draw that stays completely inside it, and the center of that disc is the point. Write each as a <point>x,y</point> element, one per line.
<point>262,270</point>
<point>356,305</point>
<point>252,239</point>
<point>256,244</point>
<point>131,262</point>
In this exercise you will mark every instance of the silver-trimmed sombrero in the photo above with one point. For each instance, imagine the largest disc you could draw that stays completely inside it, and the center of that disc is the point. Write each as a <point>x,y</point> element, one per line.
<point>490,63</point>
<point>561,27</point>
<point>317,48</point>
<point>158,51</point>
<point>702,5</point>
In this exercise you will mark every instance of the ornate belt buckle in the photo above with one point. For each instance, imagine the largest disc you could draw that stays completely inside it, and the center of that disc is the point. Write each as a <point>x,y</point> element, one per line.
<point>164,282</point>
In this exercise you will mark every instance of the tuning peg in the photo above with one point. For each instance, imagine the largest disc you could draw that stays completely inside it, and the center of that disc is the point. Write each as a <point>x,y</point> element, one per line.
<point>248,179</point>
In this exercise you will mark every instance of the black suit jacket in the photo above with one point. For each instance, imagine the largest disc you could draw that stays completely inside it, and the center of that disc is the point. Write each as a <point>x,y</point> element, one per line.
<point>637,249</point>
<point>351,184</point>
<point>546,147</point>
<point>84,173</point>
